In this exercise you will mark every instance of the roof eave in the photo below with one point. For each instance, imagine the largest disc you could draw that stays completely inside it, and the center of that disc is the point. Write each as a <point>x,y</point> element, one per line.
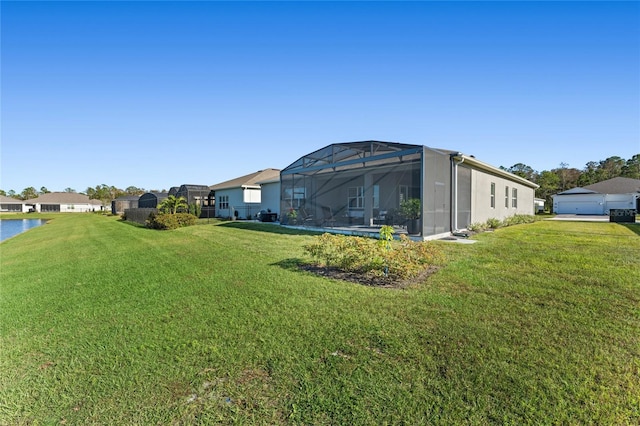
<point>472,161</point>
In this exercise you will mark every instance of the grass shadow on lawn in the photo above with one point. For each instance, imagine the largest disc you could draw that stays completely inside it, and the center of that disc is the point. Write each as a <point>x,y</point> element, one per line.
<point>369,280</point>
<point>268,227</point>
<point>634,227</point>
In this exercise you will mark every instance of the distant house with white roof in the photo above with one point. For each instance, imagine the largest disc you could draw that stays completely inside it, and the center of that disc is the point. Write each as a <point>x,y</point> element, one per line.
<point>8,204</point>
<point>63,202</point>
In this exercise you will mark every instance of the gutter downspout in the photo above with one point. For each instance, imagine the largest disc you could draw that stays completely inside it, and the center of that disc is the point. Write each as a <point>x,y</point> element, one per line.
<point>456,160</point>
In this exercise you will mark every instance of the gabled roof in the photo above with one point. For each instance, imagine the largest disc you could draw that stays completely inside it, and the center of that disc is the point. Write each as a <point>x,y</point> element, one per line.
<point>62,198</point>
<point>248,180</point>
<point>576,190</point>
<point>8,200</point>
<point>617,185</point>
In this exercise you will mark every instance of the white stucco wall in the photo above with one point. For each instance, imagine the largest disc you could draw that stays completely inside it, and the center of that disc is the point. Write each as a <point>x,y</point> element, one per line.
<point>481,209</point>
<point>271,197</point>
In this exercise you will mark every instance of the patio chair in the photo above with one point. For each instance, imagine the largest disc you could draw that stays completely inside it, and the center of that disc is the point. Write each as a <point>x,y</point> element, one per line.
<point>305,218</point>
<point>327,216</point>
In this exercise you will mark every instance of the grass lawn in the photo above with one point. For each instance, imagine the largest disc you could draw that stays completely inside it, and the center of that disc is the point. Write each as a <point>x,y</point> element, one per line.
<point>103,322</point>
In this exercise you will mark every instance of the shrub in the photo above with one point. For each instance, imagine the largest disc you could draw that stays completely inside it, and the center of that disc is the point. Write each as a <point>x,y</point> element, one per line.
<point>477,227</point>
<point>398,259</point>
<point>494,223</point>
<point>519,219</point>
<point>195,209</point>
<point>170,221</point>
<point>411,258</point>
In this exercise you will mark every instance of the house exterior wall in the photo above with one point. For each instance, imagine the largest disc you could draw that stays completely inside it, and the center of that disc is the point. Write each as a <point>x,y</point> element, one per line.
<point>235,202</point>
<point>66,208</point>
<point>12,207</point>
<point>271,197</point>
<point>481,209</point>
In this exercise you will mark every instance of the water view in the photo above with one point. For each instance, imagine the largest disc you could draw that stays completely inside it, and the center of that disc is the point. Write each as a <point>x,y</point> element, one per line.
<point>13,227</point>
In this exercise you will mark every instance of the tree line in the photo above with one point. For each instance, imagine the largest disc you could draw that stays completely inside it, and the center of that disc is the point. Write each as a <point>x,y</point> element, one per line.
<point>564,177</point>
<point>99,192</point>
<point>551,182</point>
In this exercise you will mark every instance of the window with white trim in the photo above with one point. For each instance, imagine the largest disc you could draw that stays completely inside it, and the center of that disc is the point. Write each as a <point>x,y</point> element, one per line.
<point>506,196</point>
<point>514,198</point>
<point>493,195</point>
<point>356,197</point>
<point>223,202</point>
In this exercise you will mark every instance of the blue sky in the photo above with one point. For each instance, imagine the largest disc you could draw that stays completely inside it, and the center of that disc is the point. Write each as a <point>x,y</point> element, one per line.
<point>157,94</point>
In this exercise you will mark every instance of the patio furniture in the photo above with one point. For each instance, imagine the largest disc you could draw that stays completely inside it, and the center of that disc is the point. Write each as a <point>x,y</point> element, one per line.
<point>327,216</point>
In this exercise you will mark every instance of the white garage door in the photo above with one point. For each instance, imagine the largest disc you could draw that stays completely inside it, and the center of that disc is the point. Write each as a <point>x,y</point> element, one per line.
<point>579,207</point>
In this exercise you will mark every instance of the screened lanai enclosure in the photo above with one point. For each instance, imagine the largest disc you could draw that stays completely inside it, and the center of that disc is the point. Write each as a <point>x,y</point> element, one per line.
<point>366,184</point>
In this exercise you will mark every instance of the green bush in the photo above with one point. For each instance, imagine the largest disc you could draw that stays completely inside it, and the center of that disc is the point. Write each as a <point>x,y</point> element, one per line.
<point>195,209</point>
<point>397,259</point>
<point>519,219</point>
<point>494,223</point>
<point>477,227</point>
<point>167,221</point>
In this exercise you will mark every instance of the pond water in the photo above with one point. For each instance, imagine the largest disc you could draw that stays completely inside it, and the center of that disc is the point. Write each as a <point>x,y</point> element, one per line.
<point>13,227</point>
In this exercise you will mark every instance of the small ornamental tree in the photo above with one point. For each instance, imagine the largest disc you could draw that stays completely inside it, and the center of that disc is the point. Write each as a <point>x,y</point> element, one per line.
<point>173,205</point>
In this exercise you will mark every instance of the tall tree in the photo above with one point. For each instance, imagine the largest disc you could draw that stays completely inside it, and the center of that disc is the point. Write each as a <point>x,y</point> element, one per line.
<point>132,190</point>
<point>69,190</point>
<point>28,193</point>
<point>590,174</point>
<point>549,185</point>
<point>611,167</point>
<point>523,171</point>
<point>104,193</point>
<point>44,190</point>
<point>632,168</point>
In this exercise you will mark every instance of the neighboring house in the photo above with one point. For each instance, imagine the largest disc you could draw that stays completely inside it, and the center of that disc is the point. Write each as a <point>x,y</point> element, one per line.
<point>599,198</point>
<point>13,205</point>
<point>151,200</point>
<point>358,184</point>
<point>63,202</point>
<point>242,197</point>
<point>120,204</point>
<point>197,194</point>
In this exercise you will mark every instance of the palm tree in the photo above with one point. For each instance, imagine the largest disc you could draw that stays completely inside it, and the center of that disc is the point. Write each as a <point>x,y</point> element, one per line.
<point>172,204</point>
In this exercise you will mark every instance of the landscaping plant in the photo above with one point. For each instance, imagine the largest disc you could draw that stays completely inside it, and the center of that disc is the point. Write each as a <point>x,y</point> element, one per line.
<point>397,259</point>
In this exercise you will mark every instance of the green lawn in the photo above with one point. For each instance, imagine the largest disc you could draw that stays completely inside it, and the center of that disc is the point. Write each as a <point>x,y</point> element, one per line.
<point>103,322</point>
